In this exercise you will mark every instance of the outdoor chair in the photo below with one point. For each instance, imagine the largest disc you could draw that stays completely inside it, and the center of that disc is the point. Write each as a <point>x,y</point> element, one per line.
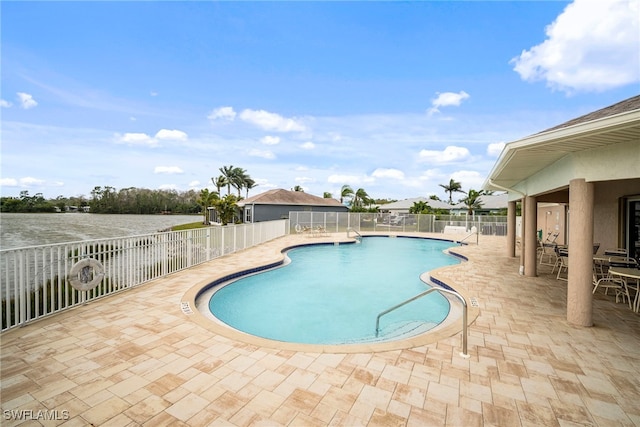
<point>562,263</point>
<point>616,252</point>
<point>549,254</point>
<point>609,282</point>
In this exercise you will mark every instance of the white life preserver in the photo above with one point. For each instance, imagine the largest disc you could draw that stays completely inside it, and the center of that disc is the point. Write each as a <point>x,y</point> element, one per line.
<point>86,274</point>
<point>298,228</point>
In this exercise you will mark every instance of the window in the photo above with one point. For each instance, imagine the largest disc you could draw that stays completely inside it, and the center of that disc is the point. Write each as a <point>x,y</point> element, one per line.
<point>248,214</point>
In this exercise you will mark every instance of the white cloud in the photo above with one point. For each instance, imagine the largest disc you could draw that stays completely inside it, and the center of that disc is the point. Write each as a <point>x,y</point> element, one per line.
<point>168,169</point>
<point>134,138</point>
<point>194,184</point>
<point>495,148</point>
<point>9,182</point>
<point>270,140</point>
<point>28,181</point>
<point>388,173</point>
<point>153,93</point>
<point>224,113</point>
<point>271,121</point>
<point>26,100</point>
<point>176,135</point>
<point>308,145</point>
<point>5,104</point>
<point>451,154</point>
<point>591,46</point>
<point>468,179</point>
<point>447,99</point>
<point>265,154</point>
<point>349,179</point>
<point>168,187</point>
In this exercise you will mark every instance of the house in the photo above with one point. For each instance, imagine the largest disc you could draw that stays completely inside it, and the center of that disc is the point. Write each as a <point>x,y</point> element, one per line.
<point>277,203</point>
<point>402,207</point>
<point>591,164</point>
<point>490,204</point>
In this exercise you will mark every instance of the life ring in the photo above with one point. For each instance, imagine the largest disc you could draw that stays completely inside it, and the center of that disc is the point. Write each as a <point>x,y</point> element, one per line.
<point>86,274</point>
<point>298,228</point>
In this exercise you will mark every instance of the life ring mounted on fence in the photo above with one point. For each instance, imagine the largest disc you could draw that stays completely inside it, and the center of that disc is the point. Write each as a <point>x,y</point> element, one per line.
<point>86,274</point>
<point>298,228</point>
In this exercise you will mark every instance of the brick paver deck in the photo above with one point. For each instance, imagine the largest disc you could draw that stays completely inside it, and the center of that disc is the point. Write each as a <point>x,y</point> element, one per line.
<point>137,359</point>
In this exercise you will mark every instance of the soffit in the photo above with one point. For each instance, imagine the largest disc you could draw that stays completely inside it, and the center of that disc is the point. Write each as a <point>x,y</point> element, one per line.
<point>524,158</point>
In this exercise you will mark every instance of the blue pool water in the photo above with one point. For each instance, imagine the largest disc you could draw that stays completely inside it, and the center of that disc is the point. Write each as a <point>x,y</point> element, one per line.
<point>332,294</point>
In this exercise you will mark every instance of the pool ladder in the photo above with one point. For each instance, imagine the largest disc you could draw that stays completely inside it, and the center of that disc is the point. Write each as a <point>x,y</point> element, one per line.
<point>355,231</point>
<point>427,292</point>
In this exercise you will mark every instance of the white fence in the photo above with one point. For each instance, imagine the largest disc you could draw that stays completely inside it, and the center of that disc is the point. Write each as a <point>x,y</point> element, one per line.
<point>35,282</point>
<point>334,222</point>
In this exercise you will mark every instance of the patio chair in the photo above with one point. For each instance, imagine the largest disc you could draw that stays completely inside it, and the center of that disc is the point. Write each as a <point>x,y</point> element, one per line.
<point>609,282</point>
<point>562,263</point>
<point>549,254</point>
<point>616,252</point>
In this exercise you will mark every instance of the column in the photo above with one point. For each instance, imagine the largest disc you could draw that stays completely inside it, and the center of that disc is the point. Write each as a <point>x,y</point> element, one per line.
<point>580,284</point>
<point>511,229</point>
<point>530,238</point>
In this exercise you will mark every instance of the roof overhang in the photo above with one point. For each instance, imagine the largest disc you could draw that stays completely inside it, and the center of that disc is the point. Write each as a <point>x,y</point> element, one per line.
<point>526,159</point>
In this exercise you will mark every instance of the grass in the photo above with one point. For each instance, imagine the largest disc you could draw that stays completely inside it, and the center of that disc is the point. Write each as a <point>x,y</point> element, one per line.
<point>189,226</point>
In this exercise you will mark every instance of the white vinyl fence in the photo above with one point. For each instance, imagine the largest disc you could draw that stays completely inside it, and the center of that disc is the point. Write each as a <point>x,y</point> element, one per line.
<point>36,282</point>
<point>334,222</point>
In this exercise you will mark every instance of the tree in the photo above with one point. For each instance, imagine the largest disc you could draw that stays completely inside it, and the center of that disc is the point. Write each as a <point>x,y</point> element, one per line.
<point>360,198</point>
<point>327,195</point>
<point>249,184</point>
<point>238,179</point>
<point>227,207</point>
<point>227,173</point>
<point>420,208</point>
<point>472,201</point>
<point>207,198</point>
<point>345,192</point>
<point>298,189</point>
<point>219,182</point>
<point>452,187</point>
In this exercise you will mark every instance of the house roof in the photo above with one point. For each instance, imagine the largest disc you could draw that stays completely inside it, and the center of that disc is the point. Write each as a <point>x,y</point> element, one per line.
<point>521,159</point>
<point>407,203</point>
<point>489,201</point>
<point>280,196</point>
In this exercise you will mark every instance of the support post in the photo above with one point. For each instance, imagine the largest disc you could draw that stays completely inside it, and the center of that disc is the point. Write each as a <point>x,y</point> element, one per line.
<point>530,240</point>
<point>580,276</point>
<point>511,229</point>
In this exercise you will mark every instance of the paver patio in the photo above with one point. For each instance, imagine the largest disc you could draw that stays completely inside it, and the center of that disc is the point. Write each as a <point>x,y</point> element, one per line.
<point>136,358</point>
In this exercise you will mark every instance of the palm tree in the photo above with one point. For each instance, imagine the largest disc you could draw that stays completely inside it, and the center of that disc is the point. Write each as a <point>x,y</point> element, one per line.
<point>360,197</point>
<point>206,199</point>
<point>298,188</point>
<point>249,184</point>
<point>452,187</point>
<point>227,207</point>
<point>345,192</point>
<point>238,179</point>
<point>472,201</point>
<point>327,195</point>
<point>420,208</point>
<point>219,182</point>
<point>227,173</point>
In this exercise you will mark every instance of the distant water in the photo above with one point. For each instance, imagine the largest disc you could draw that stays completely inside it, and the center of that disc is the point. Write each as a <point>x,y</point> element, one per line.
<point>20,230</point>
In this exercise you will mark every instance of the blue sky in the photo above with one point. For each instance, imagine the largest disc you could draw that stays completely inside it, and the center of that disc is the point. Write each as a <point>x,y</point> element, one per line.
<point>392,97</point>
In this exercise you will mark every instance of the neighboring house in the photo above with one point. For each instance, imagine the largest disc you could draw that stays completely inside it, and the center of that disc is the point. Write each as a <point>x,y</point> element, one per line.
<point>402,207</point>
<point>592,165</point>
<point>276,204</point>
<point>490,204</point>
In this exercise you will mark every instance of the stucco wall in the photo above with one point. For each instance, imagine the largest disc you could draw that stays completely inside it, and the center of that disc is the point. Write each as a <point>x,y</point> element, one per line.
<point>606,211</point>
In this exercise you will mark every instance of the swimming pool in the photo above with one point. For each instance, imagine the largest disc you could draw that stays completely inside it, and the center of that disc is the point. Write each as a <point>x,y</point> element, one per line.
<point>332,294</point>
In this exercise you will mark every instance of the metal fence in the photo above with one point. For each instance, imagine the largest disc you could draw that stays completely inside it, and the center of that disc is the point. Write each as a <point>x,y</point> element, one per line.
<point>334,222</point>
<point>35,281</point>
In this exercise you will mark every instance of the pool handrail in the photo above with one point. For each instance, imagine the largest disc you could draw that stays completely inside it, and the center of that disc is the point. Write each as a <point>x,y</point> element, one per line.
<point>477,234</point>
<point>355,231</point>
<point>464,353</point>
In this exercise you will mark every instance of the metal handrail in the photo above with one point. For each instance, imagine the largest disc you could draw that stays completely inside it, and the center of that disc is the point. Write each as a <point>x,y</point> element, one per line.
<point>469,235</point>
<point>355,231</point>
<point>428,291</point>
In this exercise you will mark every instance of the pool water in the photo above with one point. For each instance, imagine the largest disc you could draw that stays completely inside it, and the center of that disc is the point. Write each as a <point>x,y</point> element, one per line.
<point>332,294</point>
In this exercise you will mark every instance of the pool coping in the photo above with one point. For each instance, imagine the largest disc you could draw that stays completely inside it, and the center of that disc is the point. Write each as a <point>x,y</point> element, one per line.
<point>449,327</point>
